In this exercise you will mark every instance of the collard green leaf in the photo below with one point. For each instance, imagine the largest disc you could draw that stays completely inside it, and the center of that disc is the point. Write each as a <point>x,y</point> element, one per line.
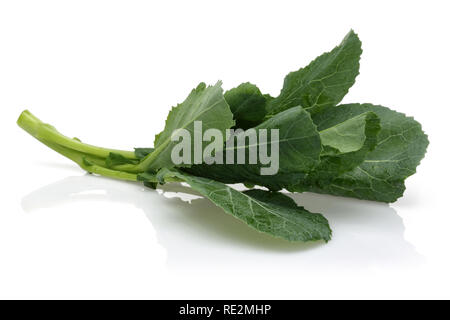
<point>299,152</point>
<point>400,146</point>
<point>247,104</point>
<point>268,212</point>
<point>205,104</point>
<point>324,82</point>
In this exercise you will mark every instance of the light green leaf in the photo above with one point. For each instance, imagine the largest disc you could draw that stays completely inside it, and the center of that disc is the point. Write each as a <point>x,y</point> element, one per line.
<point>324,82</point>
<point>115,159</point>
<point>205,104</point>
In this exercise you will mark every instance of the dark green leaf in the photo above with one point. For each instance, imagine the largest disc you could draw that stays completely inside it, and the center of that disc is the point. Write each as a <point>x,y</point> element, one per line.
<point>142,152</point>
<point>265,211</point>
<point>324,82</point>
<point>400,146</point>
<point>247,104</point>
<point>151,185</point>
<point>205,104</point>
<point>299,153</point>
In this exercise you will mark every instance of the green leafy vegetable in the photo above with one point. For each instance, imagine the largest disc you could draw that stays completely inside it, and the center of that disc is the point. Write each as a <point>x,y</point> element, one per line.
<point>355,150</point>
<point>205,104</point>
<point>141,153</point>
<point>380,175</point>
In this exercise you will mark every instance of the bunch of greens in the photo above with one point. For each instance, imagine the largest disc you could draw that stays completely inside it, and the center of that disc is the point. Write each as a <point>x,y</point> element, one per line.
<point>356,150</point>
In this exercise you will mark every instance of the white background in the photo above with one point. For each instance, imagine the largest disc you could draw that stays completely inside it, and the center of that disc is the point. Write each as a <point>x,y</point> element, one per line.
<point>108,72</point>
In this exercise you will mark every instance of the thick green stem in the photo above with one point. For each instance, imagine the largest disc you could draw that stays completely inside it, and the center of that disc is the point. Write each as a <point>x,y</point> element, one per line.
<point>46,132</point>
<point>88,157</point>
